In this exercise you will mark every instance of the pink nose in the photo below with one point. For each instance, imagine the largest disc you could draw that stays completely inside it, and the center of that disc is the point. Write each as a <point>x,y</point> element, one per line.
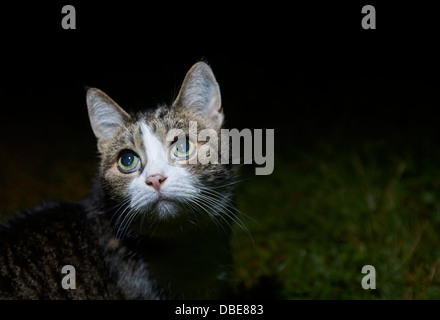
<point>155,181</point>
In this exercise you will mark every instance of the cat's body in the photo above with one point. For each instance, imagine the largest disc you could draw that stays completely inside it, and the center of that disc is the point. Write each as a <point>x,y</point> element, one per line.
<point>153,227</point>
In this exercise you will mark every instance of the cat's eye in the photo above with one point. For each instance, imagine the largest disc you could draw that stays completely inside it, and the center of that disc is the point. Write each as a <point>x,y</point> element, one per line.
<point>183,149</point>
<point>128,161</point>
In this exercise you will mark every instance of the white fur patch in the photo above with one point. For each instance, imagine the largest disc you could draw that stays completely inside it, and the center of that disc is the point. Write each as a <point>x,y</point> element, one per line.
<point>179,183</point>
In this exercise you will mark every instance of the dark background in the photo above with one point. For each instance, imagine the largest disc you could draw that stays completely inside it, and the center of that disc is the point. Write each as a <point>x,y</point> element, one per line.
<point>278,66</point>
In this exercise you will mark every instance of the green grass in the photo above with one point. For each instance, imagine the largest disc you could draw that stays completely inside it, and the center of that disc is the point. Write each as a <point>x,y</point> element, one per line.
<point>326,212</point>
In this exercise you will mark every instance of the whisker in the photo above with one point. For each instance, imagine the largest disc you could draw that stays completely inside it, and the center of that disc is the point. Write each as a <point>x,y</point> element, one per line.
<point>216,204</point>
<point>221,196</point>
<point>200,204</point>
<point>226,185</point>
<point>217,200</point>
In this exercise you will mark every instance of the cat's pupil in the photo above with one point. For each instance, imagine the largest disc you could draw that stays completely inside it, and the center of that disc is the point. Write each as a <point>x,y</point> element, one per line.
<point>183,146</point>
<point>127,159</point>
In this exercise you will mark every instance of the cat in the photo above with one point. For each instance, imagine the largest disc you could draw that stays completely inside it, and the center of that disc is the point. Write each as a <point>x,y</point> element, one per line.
<point>152,227</point>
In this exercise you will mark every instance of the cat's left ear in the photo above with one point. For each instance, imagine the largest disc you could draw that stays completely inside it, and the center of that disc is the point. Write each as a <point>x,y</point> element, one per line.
<point>200,93</point>
<point>105,115</point>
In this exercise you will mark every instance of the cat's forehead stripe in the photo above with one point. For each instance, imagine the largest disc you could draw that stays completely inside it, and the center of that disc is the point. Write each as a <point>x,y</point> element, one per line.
<point>156,157</point>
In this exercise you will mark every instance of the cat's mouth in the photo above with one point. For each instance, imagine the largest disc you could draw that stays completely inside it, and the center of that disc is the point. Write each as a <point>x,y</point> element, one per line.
<point>162,198</point>
<point>165,206</point>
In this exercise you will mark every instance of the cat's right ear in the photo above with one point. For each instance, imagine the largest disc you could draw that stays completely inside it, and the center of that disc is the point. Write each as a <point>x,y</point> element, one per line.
<point>200,93</point>
<point>105,115</point>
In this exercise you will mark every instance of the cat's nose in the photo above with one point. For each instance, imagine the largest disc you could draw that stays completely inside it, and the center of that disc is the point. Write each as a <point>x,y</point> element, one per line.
<point>155,181</point>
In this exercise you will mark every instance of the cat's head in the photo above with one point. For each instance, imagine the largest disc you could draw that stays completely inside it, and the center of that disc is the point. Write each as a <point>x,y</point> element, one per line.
<point>145,170</point>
